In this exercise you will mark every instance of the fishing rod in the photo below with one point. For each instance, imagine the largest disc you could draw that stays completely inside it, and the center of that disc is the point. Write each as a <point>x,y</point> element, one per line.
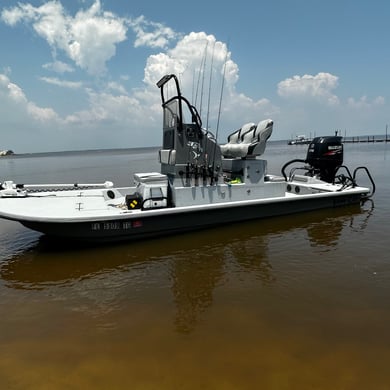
<point>210,79</point>
<point>219,115</point>
<point>206,162</point>
<point>203,77</point>
<point>201,69</point>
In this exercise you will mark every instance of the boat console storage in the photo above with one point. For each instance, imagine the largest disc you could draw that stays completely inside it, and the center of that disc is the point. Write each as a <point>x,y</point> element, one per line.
<point>188,150</point>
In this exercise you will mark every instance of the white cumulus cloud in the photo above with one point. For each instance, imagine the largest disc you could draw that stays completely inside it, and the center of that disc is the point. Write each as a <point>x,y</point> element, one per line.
<point>58,67</point>
<point>151,34</point>
<point>12,96</point>
<point>320,86</point>
<point>89,38</point>
<point>364,103</point>
<point>193,58</point>
<point>62,83</point>
<point>11,90</point>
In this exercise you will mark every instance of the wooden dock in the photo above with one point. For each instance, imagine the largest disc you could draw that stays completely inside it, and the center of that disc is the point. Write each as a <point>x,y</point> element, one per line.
<point>366,139</point>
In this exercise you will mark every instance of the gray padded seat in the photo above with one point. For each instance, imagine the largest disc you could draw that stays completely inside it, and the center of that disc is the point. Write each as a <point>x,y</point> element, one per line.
<point>249,141</point>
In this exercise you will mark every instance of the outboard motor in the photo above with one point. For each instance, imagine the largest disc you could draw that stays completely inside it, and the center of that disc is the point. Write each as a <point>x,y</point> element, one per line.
<point>325,155</point>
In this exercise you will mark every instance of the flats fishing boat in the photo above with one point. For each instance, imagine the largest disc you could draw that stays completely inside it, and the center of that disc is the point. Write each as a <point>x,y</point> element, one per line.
<point>201,184</point>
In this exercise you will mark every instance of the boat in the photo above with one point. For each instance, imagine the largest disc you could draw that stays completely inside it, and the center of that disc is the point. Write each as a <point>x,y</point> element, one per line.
<point>6,152</point>
<point>299,140</point>
<point>201,184</point>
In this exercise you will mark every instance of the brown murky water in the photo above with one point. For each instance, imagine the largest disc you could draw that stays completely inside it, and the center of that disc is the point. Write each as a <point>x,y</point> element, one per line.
<point>297,302</point>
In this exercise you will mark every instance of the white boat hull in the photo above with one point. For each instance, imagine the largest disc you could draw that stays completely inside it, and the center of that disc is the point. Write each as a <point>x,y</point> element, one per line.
<point>89,217</point>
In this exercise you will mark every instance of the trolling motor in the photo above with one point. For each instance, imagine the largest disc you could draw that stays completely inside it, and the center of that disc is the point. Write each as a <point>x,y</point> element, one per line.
<point>324,157</point>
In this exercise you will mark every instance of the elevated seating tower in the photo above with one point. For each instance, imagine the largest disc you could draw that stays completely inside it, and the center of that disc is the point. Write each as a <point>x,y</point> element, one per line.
<point>190,155</point>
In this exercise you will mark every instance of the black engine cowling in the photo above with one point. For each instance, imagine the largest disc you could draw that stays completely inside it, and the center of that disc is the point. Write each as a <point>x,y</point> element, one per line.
<point>325,154</point>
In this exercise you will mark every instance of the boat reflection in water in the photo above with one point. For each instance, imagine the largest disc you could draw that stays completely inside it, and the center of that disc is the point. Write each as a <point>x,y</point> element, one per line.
<point>185,270</point>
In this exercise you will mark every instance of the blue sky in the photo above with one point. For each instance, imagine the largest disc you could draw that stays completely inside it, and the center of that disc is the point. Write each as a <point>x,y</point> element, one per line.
<point>81,74</point>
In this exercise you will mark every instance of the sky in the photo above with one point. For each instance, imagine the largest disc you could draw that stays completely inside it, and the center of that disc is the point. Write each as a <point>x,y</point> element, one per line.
<point>82,74</point>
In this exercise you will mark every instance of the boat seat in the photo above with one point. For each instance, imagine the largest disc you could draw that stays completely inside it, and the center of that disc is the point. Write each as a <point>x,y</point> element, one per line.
<point>235,137</point>
<point>167,156</point>
<point>249,140</point>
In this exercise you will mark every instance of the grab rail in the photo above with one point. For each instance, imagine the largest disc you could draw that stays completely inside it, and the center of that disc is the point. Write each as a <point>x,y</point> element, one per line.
<point>369,176</point>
